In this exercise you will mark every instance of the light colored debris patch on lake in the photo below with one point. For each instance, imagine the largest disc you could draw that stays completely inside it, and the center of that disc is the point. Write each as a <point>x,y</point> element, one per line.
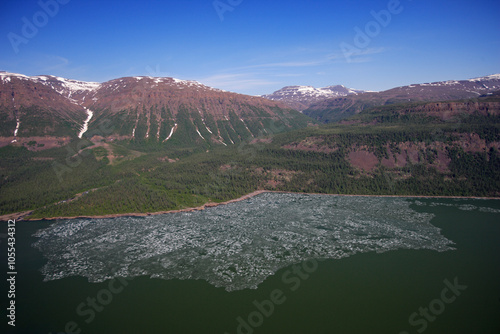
<point>238,245</point>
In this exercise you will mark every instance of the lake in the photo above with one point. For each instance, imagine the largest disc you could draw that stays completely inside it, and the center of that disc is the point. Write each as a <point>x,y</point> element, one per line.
<point>274,263</point>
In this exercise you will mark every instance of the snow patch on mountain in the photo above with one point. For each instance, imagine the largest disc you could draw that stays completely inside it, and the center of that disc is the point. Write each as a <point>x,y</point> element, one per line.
<point>171,132</point>
<point>86,123</point>
<point>18,124</point>
<point>200,134</point>
<point>300,97</point>
<point>486,78</point>
<point>65,87</point>
<point>5,76</point>
<point>476,85</point>
<point>176,82</point>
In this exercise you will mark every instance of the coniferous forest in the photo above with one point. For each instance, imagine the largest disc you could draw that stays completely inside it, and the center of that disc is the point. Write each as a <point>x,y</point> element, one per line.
<point>380,151</point>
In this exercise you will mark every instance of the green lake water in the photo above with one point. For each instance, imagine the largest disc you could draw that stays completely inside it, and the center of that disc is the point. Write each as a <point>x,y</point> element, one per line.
<point>366,292</point>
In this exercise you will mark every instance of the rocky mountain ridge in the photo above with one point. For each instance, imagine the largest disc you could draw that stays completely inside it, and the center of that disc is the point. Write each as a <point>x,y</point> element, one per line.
<point>136,108</point>
<point>330,110</point>
<point>301,97</point>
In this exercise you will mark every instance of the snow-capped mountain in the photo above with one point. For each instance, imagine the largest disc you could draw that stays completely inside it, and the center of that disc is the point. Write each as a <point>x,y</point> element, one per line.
<point>72,89</point>
<point>66,87</point>
<point>136,108</point>
<point>332,109</point>
<point>451,89</point>
<point>301,97</point>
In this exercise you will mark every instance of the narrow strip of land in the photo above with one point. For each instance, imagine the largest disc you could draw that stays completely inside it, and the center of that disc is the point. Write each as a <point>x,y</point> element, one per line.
<point>25,215</point>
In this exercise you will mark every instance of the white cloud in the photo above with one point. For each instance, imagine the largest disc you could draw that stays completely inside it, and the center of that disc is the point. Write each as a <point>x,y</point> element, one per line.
<point>56,65</point>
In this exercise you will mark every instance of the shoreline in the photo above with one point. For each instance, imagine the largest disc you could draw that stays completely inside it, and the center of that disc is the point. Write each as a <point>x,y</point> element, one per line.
<point>20,215</point>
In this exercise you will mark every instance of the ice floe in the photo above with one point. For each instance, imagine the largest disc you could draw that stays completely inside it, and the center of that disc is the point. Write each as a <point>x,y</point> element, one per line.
<point>238,245</point>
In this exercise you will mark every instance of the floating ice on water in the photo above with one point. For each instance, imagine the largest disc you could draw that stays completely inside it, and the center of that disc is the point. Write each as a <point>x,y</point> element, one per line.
<point>489,210</point>
<point>235,246</point>
<point>463,207</point>
<point>467,207</point>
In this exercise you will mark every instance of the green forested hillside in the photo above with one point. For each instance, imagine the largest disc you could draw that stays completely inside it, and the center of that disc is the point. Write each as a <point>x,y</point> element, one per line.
<point>378,152</point>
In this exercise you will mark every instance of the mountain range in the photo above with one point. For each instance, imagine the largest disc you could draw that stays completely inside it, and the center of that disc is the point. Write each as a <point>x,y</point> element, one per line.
<point>136,108</point>
<point>301,97</point>
<point>334,109</point>
<point>186,113</point>
<point>143,144</point>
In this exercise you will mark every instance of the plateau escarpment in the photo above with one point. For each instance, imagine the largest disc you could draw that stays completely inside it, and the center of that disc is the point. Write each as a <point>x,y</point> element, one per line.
<point>156,110</point>
<point>338,108</point>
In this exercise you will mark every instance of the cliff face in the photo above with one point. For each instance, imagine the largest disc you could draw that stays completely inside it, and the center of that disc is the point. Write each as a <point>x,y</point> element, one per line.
<point>397,140</point>
<point>172,110</point>
<point>334,109</point>
<point>147,92</point>
<point>447,110</point>
<point>430,154</point>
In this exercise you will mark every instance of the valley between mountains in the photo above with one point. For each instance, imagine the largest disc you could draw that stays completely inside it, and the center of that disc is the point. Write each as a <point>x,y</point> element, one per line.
<point>143,144</point>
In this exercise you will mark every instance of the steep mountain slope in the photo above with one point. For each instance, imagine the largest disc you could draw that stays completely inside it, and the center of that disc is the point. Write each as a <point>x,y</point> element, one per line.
<point>301,97</point>
<point>331,110</point>
<point>38,106</point>
<point>438,148</point>
<point>167,109</point>
<point>134,108</point>
<point>486,107</point>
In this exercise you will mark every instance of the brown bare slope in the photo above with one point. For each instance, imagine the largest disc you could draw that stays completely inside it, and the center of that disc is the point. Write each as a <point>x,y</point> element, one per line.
<point>136,108</point>
<point>331,110</point>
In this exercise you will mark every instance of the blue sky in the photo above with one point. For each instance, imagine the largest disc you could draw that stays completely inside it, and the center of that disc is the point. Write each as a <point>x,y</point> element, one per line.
<point>254,47</point>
